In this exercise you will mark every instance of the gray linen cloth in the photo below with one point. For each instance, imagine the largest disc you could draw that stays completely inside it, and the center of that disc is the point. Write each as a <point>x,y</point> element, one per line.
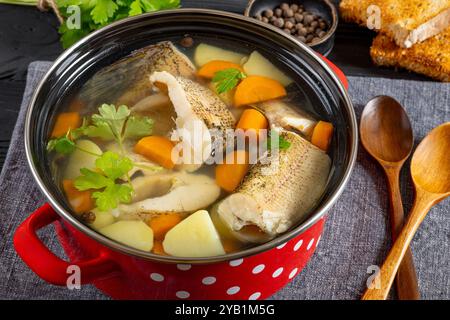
<point>356,233</point>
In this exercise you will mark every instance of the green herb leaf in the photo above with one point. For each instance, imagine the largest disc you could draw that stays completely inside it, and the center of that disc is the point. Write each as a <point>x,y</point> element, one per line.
<point>110,166</point>
<point>283,144</point>
<point>227,79</point>
<point>112,195</point>
<point>113,165</point>
<point>102,10</point>
<point>138,127</point>
<point>91,180</point>
<point>61,145</point>
<point>98,13</point>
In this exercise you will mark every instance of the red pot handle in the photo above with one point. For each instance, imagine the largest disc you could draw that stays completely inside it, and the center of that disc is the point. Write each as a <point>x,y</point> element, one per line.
<point>47,265</point>
<point>336,70</point>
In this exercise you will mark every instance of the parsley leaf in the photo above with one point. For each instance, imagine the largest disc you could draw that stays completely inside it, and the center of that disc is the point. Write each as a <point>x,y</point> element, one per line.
<point>138,127</point>
<point>61,145</point>
<point>113,165</point>
<point>98,13</point>
<point>102,10</point>
<point>110,166</point>
<point>227,79</point>
<point>283,144</point>
<point>91,180</point>
<point>112,196</point>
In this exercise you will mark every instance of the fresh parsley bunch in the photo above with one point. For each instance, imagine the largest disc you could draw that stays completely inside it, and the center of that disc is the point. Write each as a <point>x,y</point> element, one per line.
<point>98,13</point>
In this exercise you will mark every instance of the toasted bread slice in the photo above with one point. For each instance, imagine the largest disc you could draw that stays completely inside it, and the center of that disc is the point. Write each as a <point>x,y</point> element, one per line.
<point>431,57</point>
<point>405,21</point>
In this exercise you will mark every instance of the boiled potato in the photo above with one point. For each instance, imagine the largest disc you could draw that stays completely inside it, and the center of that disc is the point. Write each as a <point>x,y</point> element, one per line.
<point>79,159</point>
<point>133,233</point>
<point>193,237</point>
<point>205,53</point>
<point>102,219</point>
<point>257,65</point>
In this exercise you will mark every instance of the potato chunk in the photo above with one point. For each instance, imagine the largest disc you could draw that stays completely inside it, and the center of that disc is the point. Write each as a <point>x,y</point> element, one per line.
<point>80,159</point>
<point>193,237</point>
<point>135,234</point>
<point>205,53</point>
<point>258,65</point>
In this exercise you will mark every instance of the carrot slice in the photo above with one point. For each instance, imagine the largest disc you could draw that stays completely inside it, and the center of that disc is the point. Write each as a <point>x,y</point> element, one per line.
<point>64,122</point>
<point>252,119</point>
<point>209,69</point>
<point>158,248</point>
<point>157,149</point>
<point>230,174</point>
<point>161,224</point>
<point>255,89</point>
<point>322,134</point>
<point>80,201</point>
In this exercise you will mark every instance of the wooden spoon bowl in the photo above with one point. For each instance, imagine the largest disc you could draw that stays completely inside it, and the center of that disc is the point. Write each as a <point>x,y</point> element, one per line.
<point>430,170</point>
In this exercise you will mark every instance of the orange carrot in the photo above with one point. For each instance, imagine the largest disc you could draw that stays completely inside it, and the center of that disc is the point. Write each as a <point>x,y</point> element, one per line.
<point>162,223</point>
<point>209,69</point>
<point>64,122</point>
<point>230,174</point>
<point>255,89</point>
<point>252,119</point>
<point>80,201</point>
<point>322,134</point>
<point>158,248</point>
<point>157,149</point>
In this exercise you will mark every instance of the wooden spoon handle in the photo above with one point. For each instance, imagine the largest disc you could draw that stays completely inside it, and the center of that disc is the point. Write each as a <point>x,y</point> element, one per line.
<point>381,284</point>
<point>406,279</point>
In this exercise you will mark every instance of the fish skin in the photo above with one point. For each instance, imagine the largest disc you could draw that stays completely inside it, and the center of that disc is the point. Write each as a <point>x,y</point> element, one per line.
<point>275,202</point>
<point>126,80</point>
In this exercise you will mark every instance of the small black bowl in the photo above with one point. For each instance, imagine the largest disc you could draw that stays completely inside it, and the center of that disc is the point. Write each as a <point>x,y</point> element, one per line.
<point>323,8</point>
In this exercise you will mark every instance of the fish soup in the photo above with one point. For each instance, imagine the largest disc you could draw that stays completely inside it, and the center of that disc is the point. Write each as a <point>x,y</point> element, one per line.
<point>191,150</point>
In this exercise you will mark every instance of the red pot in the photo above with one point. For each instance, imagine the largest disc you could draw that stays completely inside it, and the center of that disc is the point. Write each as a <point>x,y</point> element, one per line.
<point>126,273</point>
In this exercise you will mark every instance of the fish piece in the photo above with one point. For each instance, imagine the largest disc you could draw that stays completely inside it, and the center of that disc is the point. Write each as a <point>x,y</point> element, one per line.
<point>274,198</point>
<point>284,115</point>
<point>189,192</point>
<point>151,185</point>
<point>198,109</point>
<point>126,81</point>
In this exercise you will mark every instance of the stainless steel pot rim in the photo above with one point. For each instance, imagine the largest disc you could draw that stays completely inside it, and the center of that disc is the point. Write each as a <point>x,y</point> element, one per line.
<point>116,246</point>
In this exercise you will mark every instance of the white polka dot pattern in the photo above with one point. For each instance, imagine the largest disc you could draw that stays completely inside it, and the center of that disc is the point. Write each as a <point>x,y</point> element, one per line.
<point>293,273</point>
<point>281,246</point>
<point>237,262</point>
<point>233,290</point>
<point>157,277</point>
<point>259,268</point>
<point>311,242</point>
<point>182,294</point>
<point>208,280</point>
<point>255,296</point>
<point>298,245</point>
<point>277,272</point>
<point>184,267</point>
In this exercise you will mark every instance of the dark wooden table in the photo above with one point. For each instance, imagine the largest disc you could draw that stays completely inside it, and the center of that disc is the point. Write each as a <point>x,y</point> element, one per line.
<point>26,35</point>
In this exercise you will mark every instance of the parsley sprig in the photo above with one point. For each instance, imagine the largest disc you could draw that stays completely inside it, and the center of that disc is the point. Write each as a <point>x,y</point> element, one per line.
<point>227,79</point>
<point>110,167</point>
<point>110,178</point>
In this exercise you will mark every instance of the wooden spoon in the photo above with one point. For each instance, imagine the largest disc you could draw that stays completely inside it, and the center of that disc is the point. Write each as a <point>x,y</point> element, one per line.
<point>387,136</point>
<point>430,171</point>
